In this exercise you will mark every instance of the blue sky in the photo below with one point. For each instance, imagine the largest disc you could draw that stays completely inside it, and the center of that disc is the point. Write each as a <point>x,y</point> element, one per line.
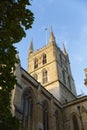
<point>68,19</point>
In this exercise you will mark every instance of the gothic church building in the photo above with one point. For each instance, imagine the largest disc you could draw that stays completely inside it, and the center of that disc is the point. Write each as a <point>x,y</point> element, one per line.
<point>45,97</point>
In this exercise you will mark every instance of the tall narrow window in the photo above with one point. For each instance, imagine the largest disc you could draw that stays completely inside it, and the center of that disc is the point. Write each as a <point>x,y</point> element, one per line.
<point>69,82</point>
<point>44,76</point>
<point>26,110</point>
<point>60,60</point>
<point>66,69</point>
<point>35,63</point>
<point>75,122</point>
<point>45,117</point>
<point>64,80</point>
<point>44,59</point>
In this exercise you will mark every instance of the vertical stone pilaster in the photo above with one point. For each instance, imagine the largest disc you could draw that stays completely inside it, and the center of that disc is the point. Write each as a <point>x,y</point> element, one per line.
<point>51,115</point>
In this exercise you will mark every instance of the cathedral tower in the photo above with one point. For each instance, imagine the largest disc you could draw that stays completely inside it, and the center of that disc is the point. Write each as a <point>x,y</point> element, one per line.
<point>51,67</point>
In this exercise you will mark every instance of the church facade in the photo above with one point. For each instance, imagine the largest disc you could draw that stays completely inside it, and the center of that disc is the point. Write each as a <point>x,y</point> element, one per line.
<point>45,97</point>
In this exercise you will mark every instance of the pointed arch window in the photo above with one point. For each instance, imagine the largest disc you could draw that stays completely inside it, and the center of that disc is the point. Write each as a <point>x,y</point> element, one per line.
<point>75,122</point>
<point>45,116</point>
<point>44,76</point>
<point>44,60</point>
<point>35,63</point>
<point>26,110</point>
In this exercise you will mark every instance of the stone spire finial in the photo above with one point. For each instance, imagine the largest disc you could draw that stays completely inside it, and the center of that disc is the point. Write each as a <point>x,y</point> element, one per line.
<point>64,50</point>
<point>31,47</point>
<point>52,38</point>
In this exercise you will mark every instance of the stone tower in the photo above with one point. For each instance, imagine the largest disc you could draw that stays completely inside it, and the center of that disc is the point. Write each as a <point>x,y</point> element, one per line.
<point>51,67</point>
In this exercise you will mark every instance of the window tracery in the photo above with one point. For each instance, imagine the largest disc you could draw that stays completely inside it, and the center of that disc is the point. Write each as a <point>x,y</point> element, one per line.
<point>26,110</point>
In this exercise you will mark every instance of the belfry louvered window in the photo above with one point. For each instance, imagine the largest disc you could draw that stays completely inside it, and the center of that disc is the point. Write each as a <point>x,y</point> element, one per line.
<point>44,60</point>
<point>35,63</point>
<point>69,82</point>
<point>63,74</point>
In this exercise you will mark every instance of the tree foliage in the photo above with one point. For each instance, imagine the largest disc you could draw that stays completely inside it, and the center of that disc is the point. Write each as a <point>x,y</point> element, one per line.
<point>15,18</point>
